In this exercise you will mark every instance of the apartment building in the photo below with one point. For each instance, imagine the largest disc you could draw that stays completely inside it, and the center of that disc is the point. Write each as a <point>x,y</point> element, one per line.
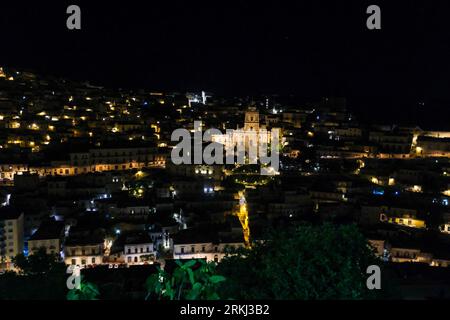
<point>11,234</point>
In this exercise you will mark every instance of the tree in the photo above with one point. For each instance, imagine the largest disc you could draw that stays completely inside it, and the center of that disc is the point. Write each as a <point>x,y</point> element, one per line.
<point>39,277</point>
<point>38,263</point>
<point>308,262</point>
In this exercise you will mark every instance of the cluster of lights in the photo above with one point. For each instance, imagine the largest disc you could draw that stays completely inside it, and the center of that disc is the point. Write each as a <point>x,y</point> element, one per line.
<point>203,171</point>
<point>208,190</point>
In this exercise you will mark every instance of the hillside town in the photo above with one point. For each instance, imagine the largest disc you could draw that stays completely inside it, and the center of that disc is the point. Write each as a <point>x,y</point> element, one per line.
<point>86,173</point>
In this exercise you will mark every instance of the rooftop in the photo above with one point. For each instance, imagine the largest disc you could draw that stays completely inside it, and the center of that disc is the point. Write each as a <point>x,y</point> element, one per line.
<point>48,230</point>
<point>9,213</point>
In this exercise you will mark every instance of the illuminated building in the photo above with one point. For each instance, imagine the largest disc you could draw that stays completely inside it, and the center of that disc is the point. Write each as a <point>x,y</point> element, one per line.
<point>83,251</point>
<point>138,249</point>
<point>192,244</point>
<point>49,236</point>
<point>250,138</point>
<point>94,160</point>
<point>433,147</point>
<point>445,228</point>
<point>402,254</point>
<point>11,234</point>
<point>407,220</point>
<point>9,170</point>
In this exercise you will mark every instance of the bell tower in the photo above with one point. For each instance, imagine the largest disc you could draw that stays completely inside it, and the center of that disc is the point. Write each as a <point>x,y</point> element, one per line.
<point>251,119</point>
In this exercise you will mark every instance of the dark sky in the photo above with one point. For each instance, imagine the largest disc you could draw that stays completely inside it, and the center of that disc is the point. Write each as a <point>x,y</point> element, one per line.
<point>307,48</point>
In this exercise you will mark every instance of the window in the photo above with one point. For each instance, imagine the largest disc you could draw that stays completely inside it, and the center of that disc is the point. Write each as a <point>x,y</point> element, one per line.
<point>83,261</point>
<point>203,248</point>
<point>72,252</point>
<point>142,250</point>
<point>135,259</point>
<point>93,251</point>
<point>129,250</point>
<point>182,250</point>
<point>148,249</point>
<point>83,252</point>
<point>74,262</point>
<point>216,258</point>
<point>216,249</point>
<point>192,249</point>
<point>135,250</point>
<point>93,260</point>
<point>129,259</point>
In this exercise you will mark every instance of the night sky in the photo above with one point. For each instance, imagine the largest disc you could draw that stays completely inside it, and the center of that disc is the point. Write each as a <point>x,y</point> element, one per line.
<point>307,48</point>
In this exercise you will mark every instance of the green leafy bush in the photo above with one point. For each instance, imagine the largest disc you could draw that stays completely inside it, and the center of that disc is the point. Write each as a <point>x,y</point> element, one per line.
<point>193,280</point>
<point>87,291</point>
